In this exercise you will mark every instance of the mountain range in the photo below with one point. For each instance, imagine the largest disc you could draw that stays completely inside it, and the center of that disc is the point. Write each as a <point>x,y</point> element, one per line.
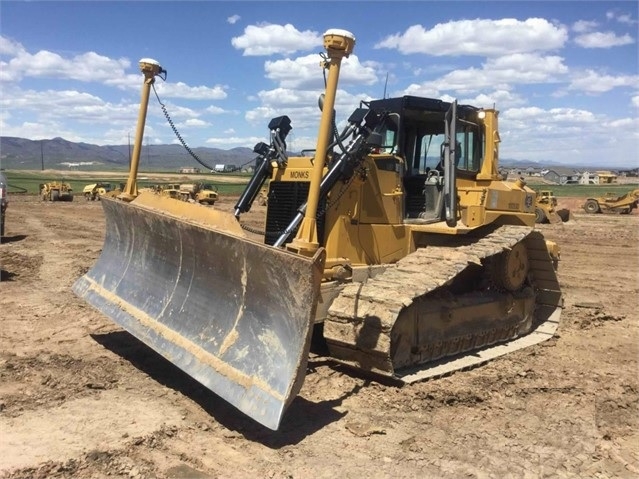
<point>58,153</point>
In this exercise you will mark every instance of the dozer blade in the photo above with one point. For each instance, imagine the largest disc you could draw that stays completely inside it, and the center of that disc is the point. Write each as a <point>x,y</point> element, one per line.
<point>234,314</point>
<point>564,214</point>
<point>553,217</point>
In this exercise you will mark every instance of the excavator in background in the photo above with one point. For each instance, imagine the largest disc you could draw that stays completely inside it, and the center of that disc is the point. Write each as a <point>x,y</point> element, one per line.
<point>396,243</point>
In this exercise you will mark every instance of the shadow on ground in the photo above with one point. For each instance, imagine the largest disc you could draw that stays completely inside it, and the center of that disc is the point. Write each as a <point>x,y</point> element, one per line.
<point>302,418</point>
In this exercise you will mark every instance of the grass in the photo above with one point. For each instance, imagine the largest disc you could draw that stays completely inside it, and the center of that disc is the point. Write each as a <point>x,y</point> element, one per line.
<point>28,182</point>
<point>586,191</point>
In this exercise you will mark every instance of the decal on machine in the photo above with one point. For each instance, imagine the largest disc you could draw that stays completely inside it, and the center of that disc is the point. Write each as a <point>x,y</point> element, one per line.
<point>493,200</point>
<point>529,201</point>
<point>300,175</point>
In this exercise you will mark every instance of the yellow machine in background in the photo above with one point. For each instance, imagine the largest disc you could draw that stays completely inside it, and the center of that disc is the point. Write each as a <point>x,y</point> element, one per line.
<point>203,193</point>
<point>613,203</point>
<point>95,191</point>
<point>397,244</point>
<point>170,190</point>
<point>56,191</point>
<point>546,209</point>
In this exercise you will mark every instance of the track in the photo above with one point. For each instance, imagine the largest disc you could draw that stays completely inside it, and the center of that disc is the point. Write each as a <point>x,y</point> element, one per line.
<point>406,316</point>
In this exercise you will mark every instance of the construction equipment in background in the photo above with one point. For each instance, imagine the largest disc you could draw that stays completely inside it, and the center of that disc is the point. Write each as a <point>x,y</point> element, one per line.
<point>202,193</point>
<point>56,191</point>
<point>262,197</point>
<point>170,190</point>
<point>612,203</point>
<point>94,191</point>
<point>4,201</point>
<point>397,244</point>
<point>546,210</point>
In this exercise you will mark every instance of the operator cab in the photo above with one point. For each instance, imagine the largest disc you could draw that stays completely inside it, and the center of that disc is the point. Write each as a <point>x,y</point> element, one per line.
<point>418,133</point>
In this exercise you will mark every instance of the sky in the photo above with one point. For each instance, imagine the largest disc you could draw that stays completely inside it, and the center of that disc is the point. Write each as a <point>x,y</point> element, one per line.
<point>563,75</point>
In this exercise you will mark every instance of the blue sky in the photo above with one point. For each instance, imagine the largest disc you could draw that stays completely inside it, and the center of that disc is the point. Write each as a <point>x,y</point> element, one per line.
<point>564,75</point>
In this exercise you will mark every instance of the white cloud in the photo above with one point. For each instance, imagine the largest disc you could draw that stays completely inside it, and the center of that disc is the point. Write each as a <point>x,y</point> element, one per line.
<point>564,135</point>
<point>300,106</point>
<point>215,110</point>
<point>225,141</point>
<point>624,18</point>
<point>305,72</point>
<point>552,115</point>
<point>603,40</point>
<point>63,103</point>
<point>130,81</point>
<point>10,47</point>
<point>195,122</point>
<point>233,19</point>
<point>500,98</point>
<point>260,40</point>
<point>501,73</point>
<point>479,37</point>
<point>87,67</point>
<point>627,19</point>
<point>592,82</point>
<point>635,101</point>
<point>182,90</point>
<point>582,26</point>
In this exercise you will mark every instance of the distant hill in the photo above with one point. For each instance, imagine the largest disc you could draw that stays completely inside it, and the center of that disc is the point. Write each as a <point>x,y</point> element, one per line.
<point>58,153</point>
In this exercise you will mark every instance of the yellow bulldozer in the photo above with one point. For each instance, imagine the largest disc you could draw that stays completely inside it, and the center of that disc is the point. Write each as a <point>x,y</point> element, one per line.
<point>396,245</point>
<point>56,191</point>
<point>546,209</point>
<point>612,203</point>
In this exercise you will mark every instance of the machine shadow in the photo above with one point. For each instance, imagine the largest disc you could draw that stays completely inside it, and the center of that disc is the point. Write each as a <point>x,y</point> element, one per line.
<point>12,239</point>
<point>302,418</point>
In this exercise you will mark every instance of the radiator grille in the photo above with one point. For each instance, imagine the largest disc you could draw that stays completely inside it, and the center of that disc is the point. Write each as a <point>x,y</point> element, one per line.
<point>284,198</point>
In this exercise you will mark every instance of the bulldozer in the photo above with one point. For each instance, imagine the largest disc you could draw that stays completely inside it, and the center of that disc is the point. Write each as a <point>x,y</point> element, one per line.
<point>546,209</point>
<point>395,245</point>
<point>612,203</point>
<point>56,191</point>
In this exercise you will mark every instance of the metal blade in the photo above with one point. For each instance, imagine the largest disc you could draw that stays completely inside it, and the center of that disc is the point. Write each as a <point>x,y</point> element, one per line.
<point>234,314</point>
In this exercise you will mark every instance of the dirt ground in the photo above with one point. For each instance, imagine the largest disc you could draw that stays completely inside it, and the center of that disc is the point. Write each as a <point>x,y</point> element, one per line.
<point>81,398</point>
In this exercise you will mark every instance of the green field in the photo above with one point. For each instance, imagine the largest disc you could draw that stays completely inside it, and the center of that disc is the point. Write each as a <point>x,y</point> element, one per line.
<point>584,191</point>
<point>27,182</point>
